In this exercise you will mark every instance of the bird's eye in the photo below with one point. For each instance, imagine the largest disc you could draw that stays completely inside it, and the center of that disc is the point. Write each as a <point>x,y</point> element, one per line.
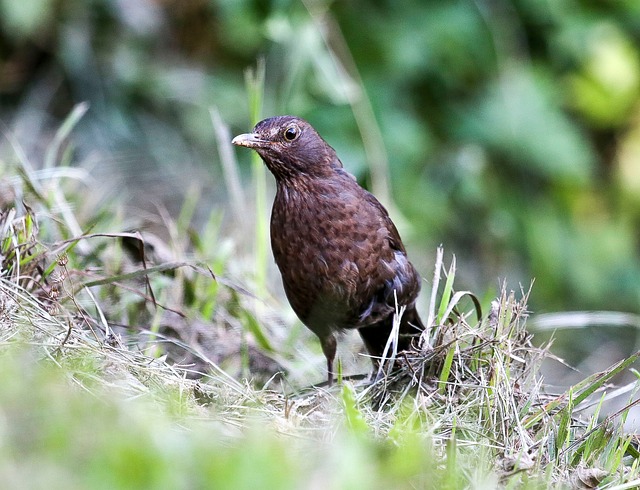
<point>291,133</point>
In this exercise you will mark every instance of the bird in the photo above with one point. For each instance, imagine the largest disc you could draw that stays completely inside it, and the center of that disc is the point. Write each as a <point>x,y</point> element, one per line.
<point>341,258</point>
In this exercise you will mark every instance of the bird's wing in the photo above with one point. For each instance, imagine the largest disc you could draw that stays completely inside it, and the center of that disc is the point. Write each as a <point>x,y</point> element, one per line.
<point>394,237</point>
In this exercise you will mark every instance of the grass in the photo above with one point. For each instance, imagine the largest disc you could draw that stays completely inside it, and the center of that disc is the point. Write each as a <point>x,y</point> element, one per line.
<point>146,372</point>
<point>255,88</point>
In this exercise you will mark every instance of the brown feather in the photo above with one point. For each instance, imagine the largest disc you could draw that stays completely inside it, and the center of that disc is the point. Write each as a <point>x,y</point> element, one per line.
<point>341,257</point>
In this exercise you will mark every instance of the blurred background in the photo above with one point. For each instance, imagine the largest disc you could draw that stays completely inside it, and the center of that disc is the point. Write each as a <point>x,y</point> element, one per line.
<point>506,130</point>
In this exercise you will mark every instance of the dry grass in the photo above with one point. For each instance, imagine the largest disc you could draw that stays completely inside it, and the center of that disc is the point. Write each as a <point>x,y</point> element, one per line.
<point>466,407</point>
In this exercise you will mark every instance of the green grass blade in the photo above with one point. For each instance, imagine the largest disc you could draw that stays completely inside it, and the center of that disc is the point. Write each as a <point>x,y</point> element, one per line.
<point>63,133</point>
<point>254,80</point>
<point>354,417</point>
<point>447,292</point>
<point>257,331</point>
<point>446,370</point>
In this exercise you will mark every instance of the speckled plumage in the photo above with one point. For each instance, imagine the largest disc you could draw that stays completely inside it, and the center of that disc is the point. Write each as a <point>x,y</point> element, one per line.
<point>340,255</point>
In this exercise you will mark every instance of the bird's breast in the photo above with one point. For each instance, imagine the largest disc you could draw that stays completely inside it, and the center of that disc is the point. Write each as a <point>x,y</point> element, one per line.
<point>330,247</point>
<point>332,231</point>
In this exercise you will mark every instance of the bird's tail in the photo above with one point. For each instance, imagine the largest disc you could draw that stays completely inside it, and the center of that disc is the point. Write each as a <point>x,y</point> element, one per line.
<point>376,336</point>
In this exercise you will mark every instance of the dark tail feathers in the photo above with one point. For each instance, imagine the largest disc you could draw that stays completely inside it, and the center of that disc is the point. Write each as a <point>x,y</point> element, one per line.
<point>375,336</point>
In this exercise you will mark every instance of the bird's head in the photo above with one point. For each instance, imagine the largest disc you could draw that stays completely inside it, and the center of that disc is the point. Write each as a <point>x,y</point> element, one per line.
<point>290,148</point>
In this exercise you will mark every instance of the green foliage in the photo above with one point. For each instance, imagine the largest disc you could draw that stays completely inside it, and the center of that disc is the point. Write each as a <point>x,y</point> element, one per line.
<point>465,411</point>
<point>509,130</point>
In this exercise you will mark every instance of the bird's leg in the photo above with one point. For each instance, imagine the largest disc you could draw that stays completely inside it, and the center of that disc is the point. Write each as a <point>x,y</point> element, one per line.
<point>329,348</point>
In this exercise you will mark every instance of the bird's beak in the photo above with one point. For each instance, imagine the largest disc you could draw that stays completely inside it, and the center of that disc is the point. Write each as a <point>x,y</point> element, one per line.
<point>250,140</point>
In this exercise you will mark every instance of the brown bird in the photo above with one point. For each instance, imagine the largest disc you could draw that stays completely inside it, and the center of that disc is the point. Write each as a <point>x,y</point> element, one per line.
<point>342,261</point>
